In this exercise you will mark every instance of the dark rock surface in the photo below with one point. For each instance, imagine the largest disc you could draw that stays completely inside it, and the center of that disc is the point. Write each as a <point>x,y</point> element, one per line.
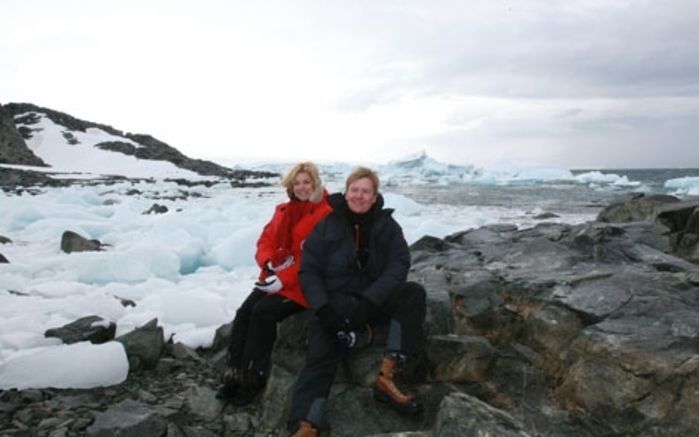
<point>74,242</point>
<point>13,149</point>
<point>680,217</point>
<point>558,330</point>
<point>156,209</point>
<point>91,328</point>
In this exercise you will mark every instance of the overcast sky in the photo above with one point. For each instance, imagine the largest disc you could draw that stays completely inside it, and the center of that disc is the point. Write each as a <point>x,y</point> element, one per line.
<point>578,84</point>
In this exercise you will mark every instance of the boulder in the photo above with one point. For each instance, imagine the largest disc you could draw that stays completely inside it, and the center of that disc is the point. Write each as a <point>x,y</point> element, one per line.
<point>73,242</point>
<point>4,240</point>
<point>3,260</point>
<point>144,346</point>
<point>679,217</point>
<point>156,209</point>
<point>94,329</point>
<point>637,207</point>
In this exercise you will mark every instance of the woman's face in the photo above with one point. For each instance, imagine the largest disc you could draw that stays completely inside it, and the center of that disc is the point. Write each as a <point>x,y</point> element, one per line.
<point>360,195</point>
<point>303,186</point>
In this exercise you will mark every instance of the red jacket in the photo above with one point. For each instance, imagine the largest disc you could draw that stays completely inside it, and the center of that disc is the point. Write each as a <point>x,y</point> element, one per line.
<point>271,244</point>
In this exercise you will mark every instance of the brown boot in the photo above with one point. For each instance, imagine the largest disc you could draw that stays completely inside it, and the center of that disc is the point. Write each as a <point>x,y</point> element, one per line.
<point>305,429</point>
<point>386,390</point>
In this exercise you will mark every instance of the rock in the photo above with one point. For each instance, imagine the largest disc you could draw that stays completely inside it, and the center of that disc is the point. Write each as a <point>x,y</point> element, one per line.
<point>461,415</point>
<point>73,242</point>
<point>4,240</point>
<point>156,209</point>
<point>143,346</point>
<point>94,329</point>
<point>130,418</point>
<point>680,217</point>
<point>429,243</point>
<point>3,259</point>
<point>545,215</point>
<point>639,207</point>
<point>460,358</point>
<point>13,148</point>
<point>202,402</point>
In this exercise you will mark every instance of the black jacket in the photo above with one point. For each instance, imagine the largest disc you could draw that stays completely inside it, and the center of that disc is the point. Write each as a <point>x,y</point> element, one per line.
<point>330,271</point>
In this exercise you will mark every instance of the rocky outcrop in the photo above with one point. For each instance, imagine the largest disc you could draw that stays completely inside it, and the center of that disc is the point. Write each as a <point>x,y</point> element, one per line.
<point>681,217</point>
<point>13,149</point>
<point>586,330</point>
<point>151,148</point>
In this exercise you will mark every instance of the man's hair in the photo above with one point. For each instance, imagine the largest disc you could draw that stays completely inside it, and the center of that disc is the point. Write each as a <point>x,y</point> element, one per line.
<point>302,167</point>
<point>363,172</point>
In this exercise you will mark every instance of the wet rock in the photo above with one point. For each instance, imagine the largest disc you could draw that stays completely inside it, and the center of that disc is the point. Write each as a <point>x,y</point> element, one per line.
<point>3,259</point>
<point>4,240</point>
<point>94,329</point>
<point>144,346</point>
<point>73,242</point>
<point>545,216</point>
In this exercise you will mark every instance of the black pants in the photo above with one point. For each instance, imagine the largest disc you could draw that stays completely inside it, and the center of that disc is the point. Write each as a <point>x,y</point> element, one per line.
<point>405,313</point>
<point>255,330</point>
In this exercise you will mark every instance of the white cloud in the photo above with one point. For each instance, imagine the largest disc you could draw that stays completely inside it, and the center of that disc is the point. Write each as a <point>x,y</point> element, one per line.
<point>319,80</point>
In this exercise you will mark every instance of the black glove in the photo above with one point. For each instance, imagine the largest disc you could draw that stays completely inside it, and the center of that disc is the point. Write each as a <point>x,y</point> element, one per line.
<point>359,317</point>
<point>330,320</point>
<point>347,339</point>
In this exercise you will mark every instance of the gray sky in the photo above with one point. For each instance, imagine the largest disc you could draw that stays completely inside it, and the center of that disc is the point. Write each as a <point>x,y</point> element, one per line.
<point>587,83</point>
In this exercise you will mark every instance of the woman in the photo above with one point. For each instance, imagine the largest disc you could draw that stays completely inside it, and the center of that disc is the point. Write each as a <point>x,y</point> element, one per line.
<point>277,293</point>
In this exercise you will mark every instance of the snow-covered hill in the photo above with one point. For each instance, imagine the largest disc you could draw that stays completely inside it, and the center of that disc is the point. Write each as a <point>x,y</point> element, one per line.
<point>80,148</point>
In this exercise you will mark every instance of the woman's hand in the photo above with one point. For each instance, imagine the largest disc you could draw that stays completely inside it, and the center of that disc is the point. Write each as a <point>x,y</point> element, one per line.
<point>271,284</point>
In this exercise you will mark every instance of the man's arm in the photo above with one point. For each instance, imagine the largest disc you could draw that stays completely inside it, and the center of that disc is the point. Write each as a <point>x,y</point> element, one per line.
<point>396,268</point>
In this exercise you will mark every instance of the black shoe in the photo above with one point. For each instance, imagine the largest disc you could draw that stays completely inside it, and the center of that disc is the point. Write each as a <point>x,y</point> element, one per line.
<point>250,387</point>
<point>231,385</point>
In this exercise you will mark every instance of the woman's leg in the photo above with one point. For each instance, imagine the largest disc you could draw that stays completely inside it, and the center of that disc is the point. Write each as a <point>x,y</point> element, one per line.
<point>262,331</point>
<point>241,325</point>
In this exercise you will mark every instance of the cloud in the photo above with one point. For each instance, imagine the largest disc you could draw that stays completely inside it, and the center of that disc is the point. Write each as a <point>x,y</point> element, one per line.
<point>294,80</point>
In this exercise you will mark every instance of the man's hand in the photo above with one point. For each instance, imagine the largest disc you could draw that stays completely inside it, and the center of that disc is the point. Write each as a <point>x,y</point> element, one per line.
<point>271,284</point>
<point>359,317</point>
<point>330,320</point>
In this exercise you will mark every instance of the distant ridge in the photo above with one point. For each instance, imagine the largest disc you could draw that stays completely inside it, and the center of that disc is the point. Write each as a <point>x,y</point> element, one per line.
<point>16,129</point>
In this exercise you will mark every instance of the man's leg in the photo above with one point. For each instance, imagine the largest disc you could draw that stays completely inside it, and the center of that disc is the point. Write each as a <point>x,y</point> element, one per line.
<point>406,310</point>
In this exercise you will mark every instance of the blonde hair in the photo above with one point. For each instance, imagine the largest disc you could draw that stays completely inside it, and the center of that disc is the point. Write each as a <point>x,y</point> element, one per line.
<point>312,171</point>
<point>363,172</point>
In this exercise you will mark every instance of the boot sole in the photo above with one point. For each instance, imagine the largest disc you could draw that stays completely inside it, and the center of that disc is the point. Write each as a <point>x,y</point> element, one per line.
<point>410,410</point>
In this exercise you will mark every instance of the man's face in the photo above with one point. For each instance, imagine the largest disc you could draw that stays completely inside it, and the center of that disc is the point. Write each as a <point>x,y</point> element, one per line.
<point>360,195</point>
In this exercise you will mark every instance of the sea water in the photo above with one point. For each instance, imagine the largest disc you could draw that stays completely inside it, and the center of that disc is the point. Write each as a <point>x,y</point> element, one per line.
<point>526,203</point>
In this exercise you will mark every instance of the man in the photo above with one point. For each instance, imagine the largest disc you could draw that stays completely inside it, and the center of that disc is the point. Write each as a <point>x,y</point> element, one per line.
<point>353,274</point>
